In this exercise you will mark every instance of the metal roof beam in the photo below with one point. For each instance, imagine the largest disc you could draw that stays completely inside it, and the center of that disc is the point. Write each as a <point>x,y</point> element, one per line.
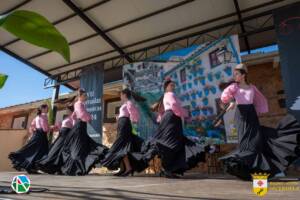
<point>268,28</point>
<point>253,32</point>
<point>63,19</point>
<point>33,66</point>
<point>19,58</point>
<point>150,15</point>
<point>165,34</point>
<point>16,7</point>
<point>238,12</point>
<point>100,32</point>
<point>121,25</point>
<point>268,12</point>
<point>64,76</point>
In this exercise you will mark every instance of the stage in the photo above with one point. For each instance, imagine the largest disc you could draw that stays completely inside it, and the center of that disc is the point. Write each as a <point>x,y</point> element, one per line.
<point>191,187</point>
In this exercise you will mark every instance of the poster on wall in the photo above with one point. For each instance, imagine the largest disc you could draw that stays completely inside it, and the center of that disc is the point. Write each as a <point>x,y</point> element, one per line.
<point>91,81</point>
<point>231,131</point>
<point>146,79</point>
<point>287,23</point>
<point>197,76</point>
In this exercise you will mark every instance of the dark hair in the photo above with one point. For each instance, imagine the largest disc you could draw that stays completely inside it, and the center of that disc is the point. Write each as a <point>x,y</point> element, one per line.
<point>130,94</point>
<point>224,85</point>
<point>39,110</point>
<point>158,104</point>
<point>81,92</point>
<point>70,108</point>
<point>65,101</point>
<point>166,83</point>
<point>244,72</point>
<point>127,92</point>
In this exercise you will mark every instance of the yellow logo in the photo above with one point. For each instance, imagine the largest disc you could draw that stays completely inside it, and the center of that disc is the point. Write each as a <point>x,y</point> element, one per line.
<point>260,183</point>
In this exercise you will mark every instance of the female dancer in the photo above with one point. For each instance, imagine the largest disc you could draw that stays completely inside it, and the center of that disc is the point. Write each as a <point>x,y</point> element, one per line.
<point>80,152</point>
<point>37,146</point>
<point>261,149</point>
<point>53,161</point>
<point>176,151</point>
<point>126,141</point>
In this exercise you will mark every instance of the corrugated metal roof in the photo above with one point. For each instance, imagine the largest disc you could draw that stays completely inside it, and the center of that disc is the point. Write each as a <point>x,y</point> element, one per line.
<point>99,30</point>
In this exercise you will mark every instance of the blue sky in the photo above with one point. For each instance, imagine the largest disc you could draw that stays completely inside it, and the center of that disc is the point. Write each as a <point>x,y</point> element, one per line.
<point>25,84</point>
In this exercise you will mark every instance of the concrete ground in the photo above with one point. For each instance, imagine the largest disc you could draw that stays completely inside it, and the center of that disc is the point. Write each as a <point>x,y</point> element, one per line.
<point>190,187</point>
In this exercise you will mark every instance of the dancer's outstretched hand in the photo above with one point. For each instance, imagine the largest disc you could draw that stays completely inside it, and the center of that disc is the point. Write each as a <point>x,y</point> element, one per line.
<point>231,106</point>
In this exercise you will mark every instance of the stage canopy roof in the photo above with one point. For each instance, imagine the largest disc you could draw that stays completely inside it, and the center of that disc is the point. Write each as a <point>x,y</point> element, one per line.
<point>117,32</point>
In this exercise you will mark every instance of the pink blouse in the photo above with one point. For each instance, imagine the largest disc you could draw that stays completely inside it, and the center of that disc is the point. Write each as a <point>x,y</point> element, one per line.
<point>68,122</point>
<point>245,96</point>
<point>80,112</point>
<point>40,122</point>
<point>171,102</point>
<point>128,109</point>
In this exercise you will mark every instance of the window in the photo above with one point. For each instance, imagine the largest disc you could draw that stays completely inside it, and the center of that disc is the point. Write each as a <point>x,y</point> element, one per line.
<point>111,110</point>
<point>213,59</point>
<point>60,116</point>
<point>182,76</point>
<point>19,122</point>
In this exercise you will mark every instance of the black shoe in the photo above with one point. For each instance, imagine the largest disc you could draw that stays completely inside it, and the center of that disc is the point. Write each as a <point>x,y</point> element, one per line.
<point>210,149</point>
<point>31,171</point>
<point>119,173</point>
<point>58,173</point>
<point>161,173</point>
<point>170,175</point>
<point>127,173</point>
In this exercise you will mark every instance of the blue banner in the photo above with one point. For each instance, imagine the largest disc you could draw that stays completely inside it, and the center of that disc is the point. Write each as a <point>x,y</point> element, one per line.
<point>287,25</point>
<point>91,80</point>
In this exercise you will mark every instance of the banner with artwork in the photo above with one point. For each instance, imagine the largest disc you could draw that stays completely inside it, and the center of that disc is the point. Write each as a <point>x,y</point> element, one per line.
<point>146,79</point>
<point>197,76</point>
<point>230,129</point>
<point>91,81</point>
<point>287,26</point>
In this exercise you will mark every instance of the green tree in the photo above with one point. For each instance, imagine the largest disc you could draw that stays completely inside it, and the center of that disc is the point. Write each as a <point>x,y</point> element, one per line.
<point>3,78</point>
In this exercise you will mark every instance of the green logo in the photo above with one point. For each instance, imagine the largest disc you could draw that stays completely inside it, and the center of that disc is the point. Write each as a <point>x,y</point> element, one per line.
<point>20,184</point>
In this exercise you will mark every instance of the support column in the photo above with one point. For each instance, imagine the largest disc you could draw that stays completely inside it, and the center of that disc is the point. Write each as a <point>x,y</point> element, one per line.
<point>55,96</point>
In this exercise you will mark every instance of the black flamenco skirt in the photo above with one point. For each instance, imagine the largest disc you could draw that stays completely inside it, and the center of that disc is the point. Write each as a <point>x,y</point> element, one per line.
<point>28,155</point>
<point>126,142</point>
<point>52,163</point>
<point>177,153</point>
<point>262,149</point>
<point>80,152</point>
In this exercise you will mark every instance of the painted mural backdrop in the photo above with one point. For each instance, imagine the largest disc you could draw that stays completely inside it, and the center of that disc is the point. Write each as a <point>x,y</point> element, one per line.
<point>146,79</point>
<point>197,76</point>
